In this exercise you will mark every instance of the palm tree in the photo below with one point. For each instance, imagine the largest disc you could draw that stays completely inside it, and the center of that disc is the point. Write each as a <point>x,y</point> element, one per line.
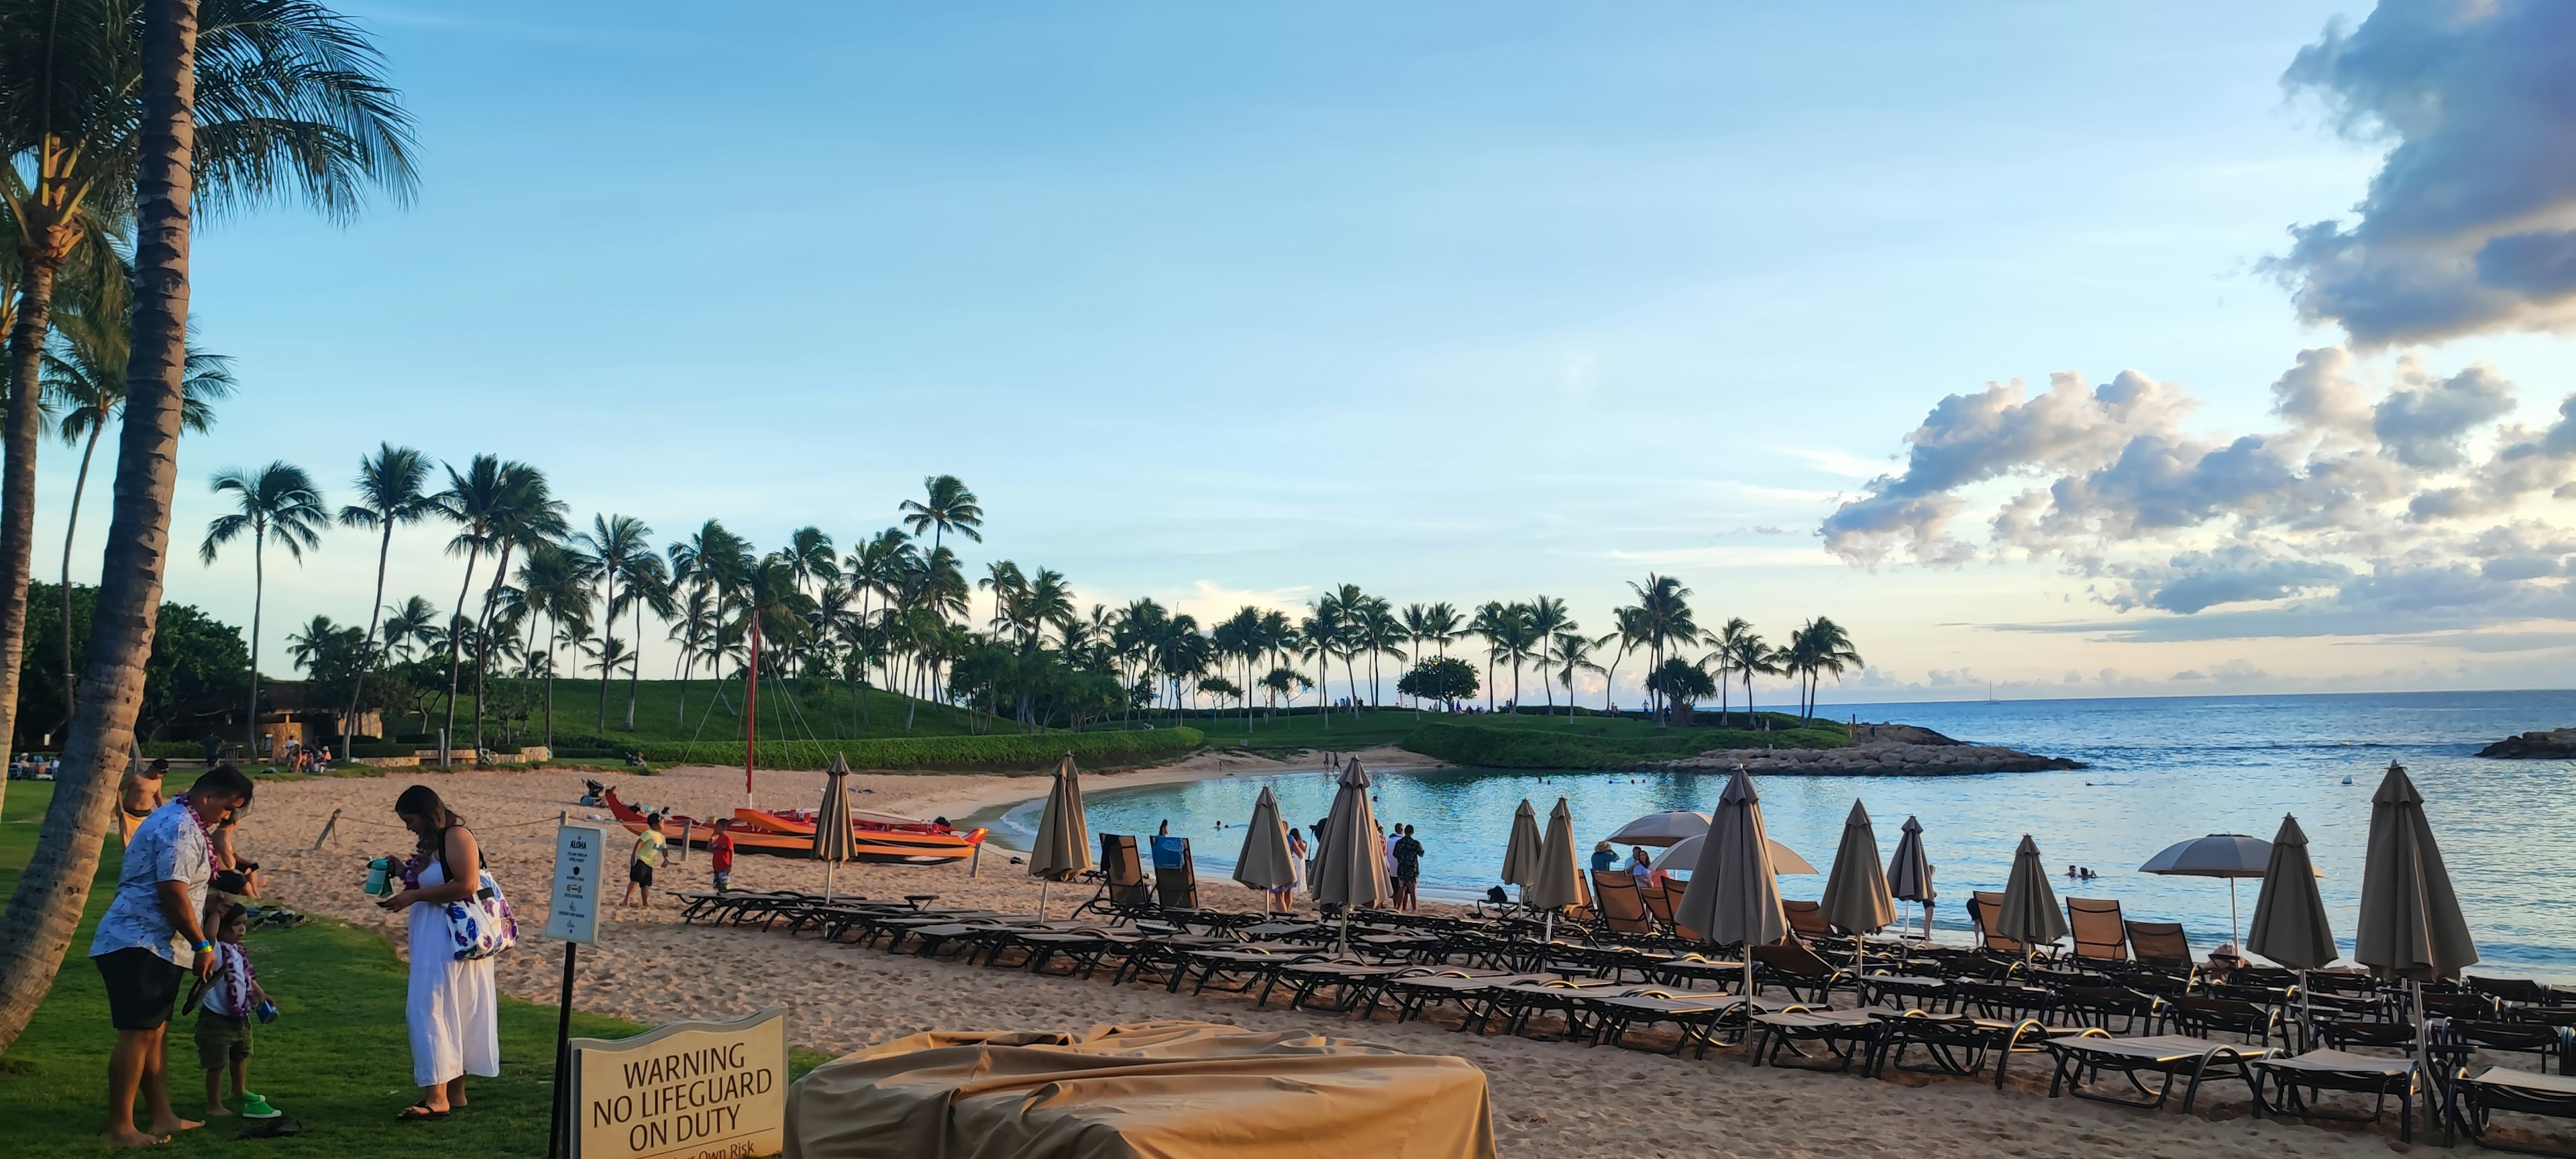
<point>555,582</point>
<point>416,621</point>
<point>1630,633</point>
<point>1548,620</point>
<point>392,491</point>
<point>526,513</point>
<point>1490,624</point>
<point>1820,647</point>
<point>1434,624</point>
<point>614,545</point>
<point>84,378</point>
<point>1749,657</point>
<point>1321,634</point>
<point>810,557</point>
<point>1571,652</point>
<point>946,506</point>
<point>1663,608</point>
<point>1239,638</point>
<point>1519,643</point>
<point>318,636</point>
<point>472,501</point>
<point>1720,662</point>
<point>279,504</point>
<point>115,115</point>
<point>1377,630</point>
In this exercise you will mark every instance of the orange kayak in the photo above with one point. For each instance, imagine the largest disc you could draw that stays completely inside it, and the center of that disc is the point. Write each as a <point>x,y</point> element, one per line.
<point>878,838</point>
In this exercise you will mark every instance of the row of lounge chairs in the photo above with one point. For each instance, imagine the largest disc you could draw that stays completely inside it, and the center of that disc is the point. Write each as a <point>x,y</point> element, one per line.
<point>2105,1028</point>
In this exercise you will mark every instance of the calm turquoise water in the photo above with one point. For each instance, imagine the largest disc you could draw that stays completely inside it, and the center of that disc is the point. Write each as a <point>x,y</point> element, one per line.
<point>2162,770</point>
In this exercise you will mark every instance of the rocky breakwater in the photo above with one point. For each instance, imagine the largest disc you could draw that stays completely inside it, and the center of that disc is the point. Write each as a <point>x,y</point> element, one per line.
<point>2556,744</point>
<point>1882,750</point>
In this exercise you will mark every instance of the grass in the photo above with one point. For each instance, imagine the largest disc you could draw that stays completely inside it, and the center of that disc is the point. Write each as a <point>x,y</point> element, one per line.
<point>337,1058</point>
<point>789,710</point>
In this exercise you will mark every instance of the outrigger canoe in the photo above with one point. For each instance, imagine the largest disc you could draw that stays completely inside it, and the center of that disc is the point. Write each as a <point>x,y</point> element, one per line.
<point>878,837</point>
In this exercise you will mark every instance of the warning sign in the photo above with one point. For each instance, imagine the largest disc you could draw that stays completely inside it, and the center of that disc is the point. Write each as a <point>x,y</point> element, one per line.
<point>690,1090</point>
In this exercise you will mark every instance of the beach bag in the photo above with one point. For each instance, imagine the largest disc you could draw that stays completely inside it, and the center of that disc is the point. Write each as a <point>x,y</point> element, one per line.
<point>481,926</point>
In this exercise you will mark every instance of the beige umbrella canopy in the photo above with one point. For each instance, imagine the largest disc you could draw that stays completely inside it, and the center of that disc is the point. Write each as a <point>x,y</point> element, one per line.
<point>1661,829</point>
<point>1265,863</point>
<point>2290,924</point>
<point>1559,882</point>
<point>1909,872</point>
<point>2411,925</point>
<point>1350,865</point>
<point>1063,846</point>
<point>1684,856</point>
<point>2229,855</point>
<point>2030,914</point>
<point>833,842</point>
<point>1520,854</point>
<point>1734,894</point>
<point>1856,898</point>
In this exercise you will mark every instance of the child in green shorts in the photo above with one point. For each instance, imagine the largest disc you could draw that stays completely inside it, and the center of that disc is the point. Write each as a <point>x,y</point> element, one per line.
<point>232,999</point>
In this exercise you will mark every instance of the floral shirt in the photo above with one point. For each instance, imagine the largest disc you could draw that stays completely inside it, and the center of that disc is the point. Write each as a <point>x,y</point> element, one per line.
<point>170,845</point>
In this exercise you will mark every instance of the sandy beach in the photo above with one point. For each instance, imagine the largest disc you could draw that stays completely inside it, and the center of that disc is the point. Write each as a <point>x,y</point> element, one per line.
<point>1550,1098</point>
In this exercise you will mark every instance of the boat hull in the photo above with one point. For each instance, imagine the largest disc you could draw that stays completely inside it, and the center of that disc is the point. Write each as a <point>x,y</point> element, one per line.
<point>930,845</point>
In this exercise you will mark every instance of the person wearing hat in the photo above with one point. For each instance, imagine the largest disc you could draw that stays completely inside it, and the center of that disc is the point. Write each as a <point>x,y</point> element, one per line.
<point>1604,857</point>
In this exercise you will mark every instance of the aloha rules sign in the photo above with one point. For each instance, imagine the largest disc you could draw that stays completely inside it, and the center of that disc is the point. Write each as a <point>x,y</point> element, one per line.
<point>689,1090</point>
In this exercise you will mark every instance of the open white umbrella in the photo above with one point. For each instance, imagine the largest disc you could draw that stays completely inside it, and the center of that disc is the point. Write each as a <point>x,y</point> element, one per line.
<point>1661,829</point>
<point>2229,855</point>
<point>1734,893</point>
<point>1559,882</point>
<point>1909,873</point>
<point>1684,856</point>
<point>1350,859</point>
<point>1063,846</point>
<point>833,842</point>
<point>1520,854</point>
<point>1265,864</point>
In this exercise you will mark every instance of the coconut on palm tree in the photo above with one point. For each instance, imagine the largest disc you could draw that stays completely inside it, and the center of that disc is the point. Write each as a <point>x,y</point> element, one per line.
<point>278,504</point>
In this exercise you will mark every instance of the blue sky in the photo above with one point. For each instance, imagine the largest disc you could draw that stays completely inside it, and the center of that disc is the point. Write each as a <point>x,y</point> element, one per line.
<point>1223,304</point>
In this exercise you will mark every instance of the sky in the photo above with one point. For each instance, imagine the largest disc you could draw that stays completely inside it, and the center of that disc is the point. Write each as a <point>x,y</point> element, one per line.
<point>2053,350</point>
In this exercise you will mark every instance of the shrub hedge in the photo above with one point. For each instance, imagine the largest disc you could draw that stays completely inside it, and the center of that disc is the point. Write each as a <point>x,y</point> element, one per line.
<point>934,752</point>
<point>1530,748</point>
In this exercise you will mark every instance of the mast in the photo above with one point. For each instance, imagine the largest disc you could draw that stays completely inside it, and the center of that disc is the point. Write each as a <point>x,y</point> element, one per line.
<point>751,711</point>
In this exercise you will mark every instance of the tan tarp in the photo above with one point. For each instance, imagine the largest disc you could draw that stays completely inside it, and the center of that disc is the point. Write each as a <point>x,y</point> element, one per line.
<point>833,842</point>
<point>1166,1090</point>
<point>1264,862</point>
<point>1856,899</point>
<point>1560,877</point>
<point>2290,924</point>
<point>1520,853</point>
<point>2411,925</point>
<point>2030,913</point>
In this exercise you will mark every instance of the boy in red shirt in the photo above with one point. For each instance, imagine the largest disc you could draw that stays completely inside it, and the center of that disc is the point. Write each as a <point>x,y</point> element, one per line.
<point>720,856</point>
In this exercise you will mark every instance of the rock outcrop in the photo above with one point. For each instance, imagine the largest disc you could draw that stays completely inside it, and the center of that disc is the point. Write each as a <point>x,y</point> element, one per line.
<point>2556,744</point>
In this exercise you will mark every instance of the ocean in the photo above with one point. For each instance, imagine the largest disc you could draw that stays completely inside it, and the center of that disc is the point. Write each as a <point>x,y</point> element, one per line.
<point>2160,770</point>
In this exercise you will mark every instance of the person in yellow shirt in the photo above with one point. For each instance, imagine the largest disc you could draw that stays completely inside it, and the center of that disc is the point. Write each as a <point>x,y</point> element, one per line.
<point>648,856</point>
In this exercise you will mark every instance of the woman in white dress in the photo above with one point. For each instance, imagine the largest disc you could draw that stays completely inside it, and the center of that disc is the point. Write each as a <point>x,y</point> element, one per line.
<point>454,1014</point>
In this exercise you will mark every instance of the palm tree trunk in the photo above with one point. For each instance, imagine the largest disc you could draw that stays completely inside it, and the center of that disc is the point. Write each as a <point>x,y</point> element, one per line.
<point>366,650</point>
<point>554,644</point>
<point>46,907</point>
<point>456,639</point>
<point>483,638</point>
<point>635,666</point>
<point>610,621</point>
<point>71,525</point>
<point>258,595</point>
<point>21,431</point>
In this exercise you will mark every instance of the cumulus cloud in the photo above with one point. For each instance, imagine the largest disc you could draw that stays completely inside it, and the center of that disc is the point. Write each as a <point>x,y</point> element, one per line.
<point>2470,223</point>
<point>2389,502</point>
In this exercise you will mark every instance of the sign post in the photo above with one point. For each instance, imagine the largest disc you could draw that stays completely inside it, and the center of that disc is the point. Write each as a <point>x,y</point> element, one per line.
<point>573,919</point>
<point>689,1090</point>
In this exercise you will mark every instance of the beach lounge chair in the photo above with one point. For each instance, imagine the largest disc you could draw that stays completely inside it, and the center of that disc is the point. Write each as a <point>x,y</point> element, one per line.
<point>1984,909</point>
<point>2508,992</point>
<point>1659,895</point>
<point>1417,994</point>
<point>2095,926</point>
<point>1846,1035</point>
<point>2204,1017</point>
<point>2474,1099</point>
<point>2176,1058</point>
<point>1176,875</point>
<point>1806,918</point>
<point>1623,910</point>
<point>2160,944</point>
<point>1791,966</point>
<point>2471,1007</point>
<point>1957,1044</point>
<point>1123,887</point>
<point>2116,1009</point>
<point>2296,1083</point>
<point>2533,1038</point>
<point>1701,1018</point>
<point>1904,991</point>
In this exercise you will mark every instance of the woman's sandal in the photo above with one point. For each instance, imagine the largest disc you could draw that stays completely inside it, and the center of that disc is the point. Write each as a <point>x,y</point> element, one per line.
<point>417,1112</point>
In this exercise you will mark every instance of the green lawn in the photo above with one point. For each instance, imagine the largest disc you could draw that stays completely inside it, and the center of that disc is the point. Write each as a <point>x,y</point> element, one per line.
<point>337,1058</point>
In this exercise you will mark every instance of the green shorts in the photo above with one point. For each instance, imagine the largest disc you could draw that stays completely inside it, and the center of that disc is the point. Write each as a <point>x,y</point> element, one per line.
<point>221,1040</point>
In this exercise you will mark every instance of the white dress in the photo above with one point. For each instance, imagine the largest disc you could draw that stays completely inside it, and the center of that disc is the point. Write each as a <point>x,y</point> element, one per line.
<point>454,1014</point>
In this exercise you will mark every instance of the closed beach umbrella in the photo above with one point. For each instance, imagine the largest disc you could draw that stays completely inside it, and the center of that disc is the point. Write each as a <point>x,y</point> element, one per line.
<point>832,841</point>
<point>2030,914</point>
<point>1909,873</point>
<point>1063,847</point>
<point>2289,915</point>
<point>2410,925</point>
<point>1661,829</point>
<point>1350,859</point>
<point>1264,863</point>
<point>1734,893</point>
<point>1520,854</point>
<point>1856,898</point>
<point>2228,855</point>
<point>1559,882</point>
<point>1684,856</point>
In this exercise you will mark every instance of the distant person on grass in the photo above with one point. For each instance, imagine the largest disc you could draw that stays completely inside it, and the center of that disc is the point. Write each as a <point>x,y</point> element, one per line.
<point>648,856</point>
<point>452,1007</point>
<point>139,795</point>
<point>150,940</point>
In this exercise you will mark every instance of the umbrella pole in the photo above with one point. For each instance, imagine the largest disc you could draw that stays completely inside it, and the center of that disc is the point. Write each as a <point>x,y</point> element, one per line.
<point>1547,930</point>
<point>1042,892</point>
<point>1343,946</point>
<point>829,868</point>
<point>2232,939</point>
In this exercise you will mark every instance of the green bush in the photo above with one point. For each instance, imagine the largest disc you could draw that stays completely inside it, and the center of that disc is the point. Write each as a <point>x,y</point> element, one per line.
<point>370,749</point>
<point>173,750</point>
<point>1532,748</point>
<point>935,752</point>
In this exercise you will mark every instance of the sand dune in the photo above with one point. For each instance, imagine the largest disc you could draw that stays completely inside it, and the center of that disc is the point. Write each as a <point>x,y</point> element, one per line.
<point>1551,1098</point>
